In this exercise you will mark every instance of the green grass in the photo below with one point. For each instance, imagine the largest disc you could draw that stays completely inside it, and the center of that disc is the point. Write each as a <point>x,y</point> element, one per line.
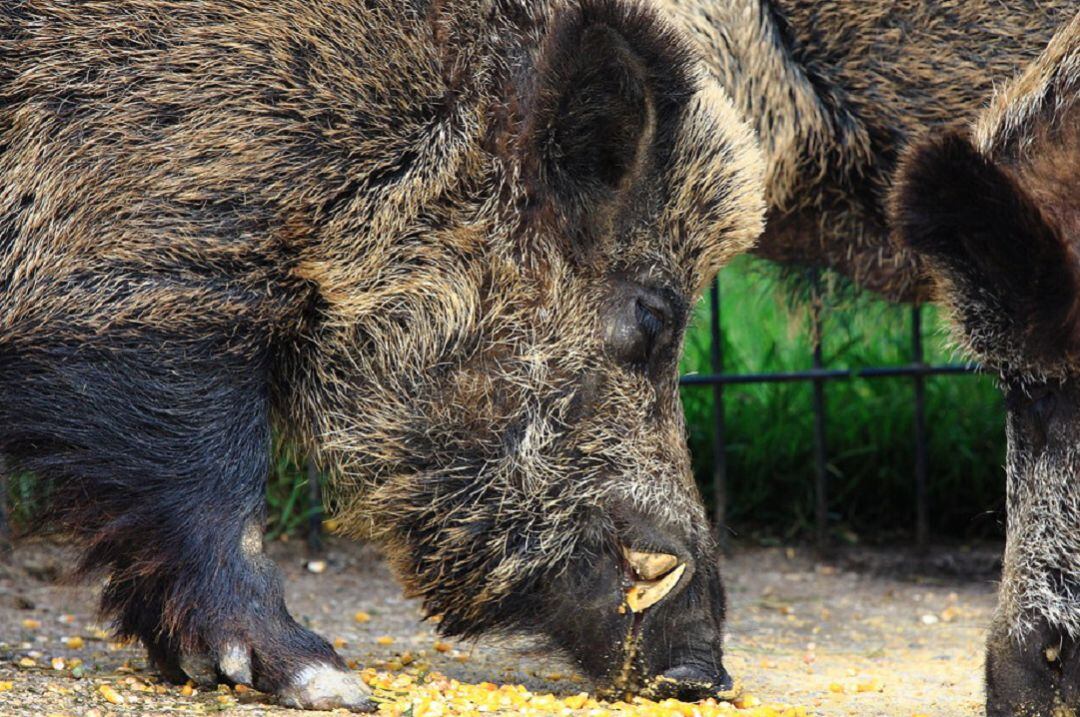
<point>869,427</point>
<point>770,426</point>
<point>289,500</point>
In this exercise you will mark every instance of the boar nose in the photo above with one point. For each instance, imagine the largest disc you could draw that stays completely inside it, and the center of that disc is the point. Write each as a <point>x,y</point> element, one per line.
<point>691,683</point>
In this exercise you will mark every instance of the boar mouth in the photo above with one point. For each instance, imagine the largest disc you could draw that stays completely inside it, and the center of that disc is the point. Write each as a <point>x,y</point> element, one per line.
<point>651,577</point>
<point>647,579</point>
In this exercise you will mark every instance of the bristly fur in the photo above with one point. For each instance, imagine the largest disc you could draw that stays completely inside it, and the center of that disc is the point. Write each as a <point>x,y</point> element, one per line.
<point>1009,275</point>
<point>396,231</point>
<point>995,213</point>
<point>835,90</point>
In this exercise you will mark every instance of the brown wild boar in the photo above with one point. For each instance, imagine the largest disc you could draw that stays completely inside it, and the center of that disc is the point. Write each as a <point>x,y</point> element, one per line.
<point>835,90</point>
<point>450,247</point>
<point>995,213</point>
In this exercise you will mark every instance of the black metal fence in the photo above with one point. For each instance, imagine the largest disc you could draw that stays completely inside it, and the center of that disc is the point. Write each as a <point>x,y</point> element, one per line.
<point>916,371</point>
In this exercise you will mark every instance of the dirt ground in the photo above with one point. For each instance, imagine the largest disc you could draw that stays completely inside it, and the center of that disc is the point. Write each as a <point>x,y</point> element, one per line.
<point>865,634</point>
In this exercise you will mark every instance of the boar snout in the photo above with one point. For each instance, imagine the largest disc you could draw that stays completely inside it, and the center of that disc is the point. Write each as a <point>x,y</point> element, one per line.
<point>681,653</point>
<point>644,615</point>
<point>691,683</point>
<point>1034,674</point>
<point>676,598</point>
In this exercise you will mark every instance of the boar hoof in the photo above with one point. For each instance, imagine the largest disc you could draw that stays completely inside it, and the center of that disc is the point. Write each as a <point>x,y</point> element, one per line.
<point>324,687</point>
<point>235,664</point>
<point>200,667</point>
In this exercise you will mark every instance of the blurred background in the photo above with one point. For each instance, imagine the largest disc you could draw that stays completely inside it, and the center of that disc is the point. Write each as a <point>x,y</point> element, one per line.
<point>766,327</point>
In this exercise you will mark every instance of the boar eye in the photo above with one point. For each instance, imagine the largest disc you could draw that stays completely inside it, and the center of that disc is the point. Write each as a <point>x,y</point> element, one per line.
<point>650,320</point>
<point>1038,398</point>
<point>1037,401</point>
<point>1043,404</point>
<point>640,325</point>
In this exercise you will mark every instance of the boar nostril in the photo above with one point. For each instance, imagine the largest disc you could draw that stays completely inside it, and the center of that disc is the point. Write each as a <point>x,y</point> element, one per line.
<point>691,683</point>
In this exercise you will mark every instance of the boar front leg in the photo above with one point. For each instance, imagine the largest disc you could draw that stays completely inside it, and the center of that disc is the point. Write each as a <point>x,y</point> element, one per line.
<point>160,456</point>
<point>245,636</point>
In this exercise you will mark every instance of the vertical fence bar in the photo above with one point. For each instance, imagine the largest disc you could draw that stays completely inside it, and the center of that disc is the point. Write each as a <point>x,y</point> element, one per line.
<point>314,531</point>
<point>922,521</point>
<point>5,525</point>
<point>719,445</point>
<point>821,496</point>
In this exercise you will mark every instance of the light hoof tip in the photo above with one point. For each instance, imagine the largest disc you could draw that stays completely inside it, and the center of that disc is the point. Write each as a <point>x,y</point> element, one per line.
<point>324,687</point>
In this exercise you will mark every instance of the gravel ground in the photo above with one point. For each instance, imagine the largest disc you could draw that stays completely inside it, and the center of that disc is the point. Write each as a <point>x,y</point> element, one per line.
<point>860,635</point>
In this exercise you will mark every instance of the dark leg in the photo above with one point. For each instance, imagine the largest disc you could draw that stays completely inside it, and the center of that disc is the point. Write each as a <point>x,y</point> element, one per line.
<point>161,462</point>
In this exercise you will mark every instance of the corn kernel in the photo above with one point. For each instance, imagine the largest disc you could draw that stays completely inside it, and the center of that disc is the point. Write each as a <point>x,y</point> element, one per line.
<point>576,702</point>
<point>111,695</point>
<point>747,701</point>
<point>871,685</point>
<point>435,695</point>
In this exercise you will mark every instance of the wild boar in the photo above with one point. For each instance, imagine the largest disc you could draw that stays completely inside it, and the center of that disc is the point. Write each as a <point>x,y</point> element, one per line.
<point>995,212</point>
<point>835,90</point>
<point>450,247</point>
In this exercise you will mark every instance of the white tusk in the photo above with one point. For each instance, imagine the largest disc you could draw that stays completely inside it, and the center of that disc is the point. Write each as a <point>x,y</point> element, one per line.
<point>650,566</point>
<point>646,593</point>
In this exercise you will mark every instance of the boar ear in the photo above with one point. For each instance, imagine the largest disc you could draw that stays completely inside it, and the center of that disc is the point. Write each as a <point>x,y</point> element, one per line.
<point>980,230</point>
<point>588,122</point>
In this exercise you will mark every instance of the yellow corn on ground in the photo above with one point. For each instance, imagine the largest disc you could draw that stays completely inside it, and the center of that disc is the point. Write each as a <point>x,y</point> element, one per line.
<point>434,695</point>
<point>419,693</point>
<point>111,695</point>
